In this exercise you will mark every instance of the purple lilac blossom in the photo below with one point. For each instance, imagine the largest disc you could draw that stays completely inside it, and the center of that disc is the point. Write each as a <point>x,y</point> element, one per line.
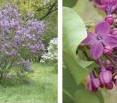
<point>16,34</point>
<point>93,82</point>
<point>103,48</point>
<point>108,5</point>
<point>100,40</point>
<point>103,79</point>
<point>105,76</point>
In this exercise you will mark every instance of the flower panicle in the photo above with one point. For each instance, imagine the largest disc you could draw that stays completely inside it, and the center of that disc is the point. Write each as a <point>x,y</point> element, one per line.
<point>102,46</point>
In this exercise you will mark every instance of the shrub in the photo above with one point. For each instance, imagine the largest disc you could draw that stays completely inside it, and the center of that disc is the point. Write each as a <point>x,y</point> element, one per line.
<point>19,40</point>
<point>51,55</point>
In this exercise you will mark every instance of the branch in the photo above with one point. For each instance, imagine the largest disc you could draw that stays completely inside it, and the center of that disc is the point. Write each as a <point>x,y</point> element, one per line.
<point>50,9</point>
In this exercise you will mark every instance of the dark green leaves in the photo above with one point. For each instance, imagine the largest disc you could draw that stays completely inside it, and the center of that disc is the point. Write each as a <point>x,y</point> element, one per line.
<point>69,3</point>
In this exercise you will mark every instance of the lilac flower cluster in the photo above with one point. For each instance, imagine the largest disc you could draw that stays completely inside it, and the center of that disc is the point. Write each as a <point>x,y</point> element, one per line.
<point>101,41</point>
<point>102,45</point>
<point>109,6</point>
<point>17,34</point>
<point>103,79</point>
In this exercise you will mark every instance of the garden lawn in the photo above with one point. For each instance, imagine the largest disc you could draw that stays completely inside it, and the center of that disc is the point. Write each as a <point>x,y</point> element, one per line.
<point>41,89</point>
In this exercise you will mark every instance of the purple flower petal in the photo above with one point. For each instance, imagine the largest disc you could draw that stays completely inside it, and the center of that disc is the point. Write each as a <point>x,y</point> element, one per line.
<point>102,28</point>
<point>91,39</point>
<point>92,84</point>
<point>109,85</point>
<point>105,76</point>
<point>96,50</point>
<point>110,41</point>
<point>96,82</point>
<point>107,1</point>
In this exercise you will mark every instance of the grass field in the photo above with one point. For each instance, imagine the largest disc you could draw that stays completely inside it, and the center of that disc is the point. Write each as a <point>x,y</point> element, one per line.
<point>42,89</point>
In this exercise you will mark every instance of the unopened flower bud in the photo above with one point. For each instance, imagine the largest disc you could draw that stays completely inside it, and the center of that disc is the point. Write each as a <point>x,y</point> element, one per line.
<point>93,82</point>
<point>105,76</point>
<point>109,19</point>
<point>109,85</point>
<point>108,50</point>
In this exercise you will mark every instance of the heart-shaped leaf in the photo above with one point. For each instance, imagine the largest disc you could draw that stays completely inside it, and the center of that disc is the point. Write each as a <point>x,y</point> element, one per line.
<point>74,32</point>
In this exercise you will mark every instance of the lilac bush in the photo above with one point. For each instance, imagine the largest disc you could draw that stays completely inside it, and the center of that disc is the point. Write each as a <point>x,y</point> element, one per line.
<point>19,40</point>
<point>102,46</point>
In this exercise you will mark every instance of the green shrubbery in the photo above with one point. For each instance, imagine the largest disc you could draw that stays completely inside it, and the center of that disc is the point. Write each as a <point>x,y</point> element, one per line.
<point>51,55</point>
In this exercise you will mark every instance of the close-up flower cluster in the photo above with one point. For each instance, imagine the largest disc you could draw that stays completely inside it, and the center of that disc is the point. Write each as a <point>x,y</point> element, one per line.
<point>109,6</point>
<point>102,46</point>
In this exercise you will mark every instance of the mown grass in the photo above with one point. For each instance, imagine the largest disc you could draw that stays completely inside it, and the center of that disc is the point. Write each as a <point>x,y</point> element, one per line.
<point>41,89</point>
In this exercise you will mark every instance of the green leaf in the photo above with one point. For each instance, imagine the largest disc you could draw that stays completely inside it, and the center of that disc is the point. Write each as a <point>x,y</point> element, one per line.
<point>88,12</point>
<point>84,96</point>
<point>69,3</point>
<point>100,96</point>
<point>67,97</point>
<point>74,67</point>
<point>110,96</point>
<point>85,64</point>
<point>74,32</point>
<point>69,86</point>
<point>68,81</point>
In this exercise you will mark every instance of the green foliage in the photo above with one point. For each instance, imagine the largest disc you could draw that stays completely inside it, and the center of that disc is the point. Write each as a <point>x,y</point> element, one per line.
<point>76,68</point>
<point>51,56</point>
<point>52,28</point>
<point>69,3</point>
<point>74,33</point>
<point>84,96</point>
<point>88,12</point>
<point>23,5</point>
<point>69,86</point>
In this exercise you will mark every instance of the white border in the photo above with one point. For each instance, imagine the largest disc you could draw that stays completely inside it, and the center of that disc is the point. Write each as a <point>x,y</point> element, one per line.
<point>60,51</point>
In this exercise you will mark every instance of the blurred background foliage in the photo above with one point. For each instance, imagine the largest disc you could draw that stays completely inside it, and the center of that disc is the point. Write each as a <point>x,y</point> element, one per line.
<point>85,8</point>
